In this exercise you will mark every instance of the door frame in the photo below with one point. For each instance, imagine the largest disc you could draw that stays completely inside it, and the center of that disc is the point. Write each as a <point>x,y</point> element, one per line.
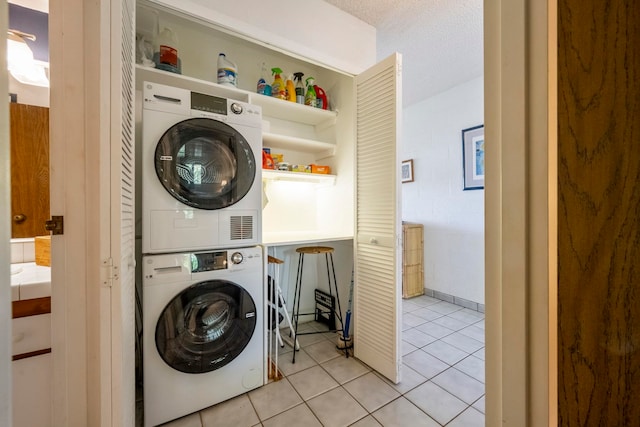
<point>79,138</point>
<point>520,235</point>
<point>5,232</point>
<point>511,330</point>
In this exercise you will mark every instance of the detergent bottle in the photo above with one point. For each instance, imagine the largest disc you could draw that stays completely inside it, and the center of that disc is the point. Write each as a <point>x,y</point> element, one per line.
<point>310,97</point>
<point>299,87</point>
<point>278,89</point>
<point>321,101</point>
<point>291,89</point>
<point>166,55</point>
<point>227,71</point>
<point>263,87</point>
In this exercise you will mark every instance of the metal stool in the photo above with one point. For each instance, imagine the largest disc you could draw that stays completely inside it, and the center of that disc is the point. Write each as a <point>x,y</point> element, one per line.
<point>331,277</point>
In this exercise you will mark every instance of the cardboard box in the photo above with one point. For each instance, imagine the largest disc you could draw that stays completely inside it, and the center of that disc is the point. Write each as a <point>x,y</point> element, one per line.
<point>277,157</point>
<point>320,169</point>
<point>43,250</point>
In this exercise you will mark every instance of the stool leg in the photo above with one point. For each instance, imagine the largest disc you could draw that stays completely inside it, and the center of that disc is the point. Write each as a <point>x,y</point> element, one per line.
<point>296,302</point>
<point>335,284</point>
<point>339,313</point>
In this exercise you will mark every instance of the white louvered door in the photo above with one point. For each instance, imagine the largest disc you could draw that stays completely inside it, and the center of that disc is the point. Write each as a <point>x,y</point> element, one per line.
<point>378,286</point>
<point>122,213</point>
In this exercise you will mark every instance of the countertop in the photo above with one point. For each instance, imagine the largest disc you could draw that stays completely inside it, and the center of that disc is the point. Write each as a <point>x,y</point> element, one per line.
<point>30,281</point>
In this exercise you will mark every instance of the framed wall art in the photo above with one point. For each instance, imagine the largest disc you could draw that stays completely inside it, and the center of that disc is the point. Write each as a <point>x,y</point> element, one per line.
<point>407,171</point>
<point>473,158</point>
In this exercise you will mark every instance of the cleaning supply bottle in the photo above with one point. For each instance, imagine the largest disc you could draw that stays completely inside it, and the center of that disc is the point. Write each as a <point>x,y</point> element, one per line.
<point>263,87</point>
<point>322,101</point>
<point>310,97</point>
<point>291,89</point>
<point>227,71</point>
<point>167,51</point>
<point>278,89</point>
<point>299,87</point>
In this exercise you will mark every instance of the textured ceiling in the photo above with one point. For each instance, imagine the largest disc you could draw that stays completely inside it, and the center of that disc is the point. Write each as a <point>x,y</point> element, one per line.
<point>440,40</point>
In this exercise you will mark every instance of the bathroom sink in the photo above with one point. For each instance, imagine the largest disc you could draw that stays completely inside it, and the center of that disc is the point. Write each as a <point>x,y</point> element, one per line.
<point>15,269</point>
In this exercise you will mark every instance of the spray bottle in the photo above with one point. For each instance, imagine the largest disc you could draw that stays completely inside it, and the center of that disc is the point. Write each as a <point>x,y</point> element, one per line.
<point>278,89</point>
<point>310,97</point>
<point>263,87</point>
<point>291,89</point>
<point>299,87</point>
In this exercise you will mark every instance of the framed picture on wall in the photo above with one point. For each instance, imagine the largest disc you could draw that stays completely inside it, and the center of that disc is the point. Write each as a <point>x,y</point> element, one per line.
<point>407,171</point>
<point>473,158</point>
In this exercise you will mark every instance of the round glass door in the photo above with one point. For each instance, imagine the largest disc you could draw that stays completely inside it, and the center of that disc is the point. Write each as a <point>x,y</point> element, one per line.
<point>205,326</point>
<point>205,163</point>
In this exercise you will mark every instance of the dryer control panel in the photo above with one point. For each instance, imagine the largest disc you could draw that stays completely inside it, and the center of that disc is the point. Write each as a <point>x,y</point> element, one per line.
<point>208,261</point>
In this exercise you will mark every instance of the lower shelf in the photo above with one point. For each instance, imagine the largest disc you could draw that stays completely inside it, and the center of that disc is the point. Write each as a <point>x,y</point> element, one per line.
<point>298,176</point>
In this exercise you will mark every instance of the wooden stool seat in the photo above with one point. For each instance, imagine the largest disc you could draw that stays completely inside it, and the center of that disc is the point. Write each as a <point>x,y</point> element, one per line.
<point>274,260</point>
<point>314,250</point>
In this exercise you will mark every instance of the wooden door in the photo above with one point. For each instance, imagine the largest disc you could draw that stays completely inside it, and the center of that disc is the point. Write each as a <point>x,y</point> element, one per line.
<point>29,170</point>
<point>598,213</point>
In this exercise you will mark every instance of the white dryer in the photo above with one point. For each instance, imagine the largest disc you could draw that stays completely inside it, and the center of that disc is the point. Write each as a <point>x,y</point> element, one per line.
<point>203,333</point>
<point>201,171</point>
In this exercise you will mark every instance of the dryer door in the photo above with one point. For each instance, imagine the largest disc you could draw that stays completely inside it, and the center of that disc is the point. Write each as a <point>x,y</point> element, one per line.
<point>205,326</point>
<point>205,163</point>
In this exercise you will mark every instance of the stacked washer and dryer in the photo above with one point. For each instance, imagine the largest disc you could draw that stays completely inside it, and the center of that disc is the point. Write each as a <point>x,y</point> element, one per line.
<point>202,266</point>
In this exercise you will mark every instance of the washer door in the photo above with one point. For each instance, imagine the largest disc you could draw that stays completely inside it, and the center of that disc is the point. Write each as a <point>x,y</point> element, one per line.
<point>205,326</point>
<point>205,163</point>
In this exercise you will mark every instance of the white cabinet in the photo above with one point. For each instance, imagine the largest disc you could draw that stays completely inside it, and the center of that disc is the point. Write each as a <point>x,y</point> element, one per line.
<point>32,391</point>
<point>297,206</point>
<point>31,372</point>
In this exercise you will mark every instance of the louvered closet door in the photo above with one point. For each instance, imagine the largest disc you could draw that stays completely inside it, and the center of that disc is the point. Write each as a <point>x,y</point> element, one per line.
<point>122,213</point>
<point>377,292</point>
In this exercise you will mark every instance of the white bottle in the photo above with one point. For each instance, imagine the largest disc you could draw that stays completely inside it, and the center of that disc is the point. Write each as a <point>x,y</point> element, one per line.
<point>227,71</point>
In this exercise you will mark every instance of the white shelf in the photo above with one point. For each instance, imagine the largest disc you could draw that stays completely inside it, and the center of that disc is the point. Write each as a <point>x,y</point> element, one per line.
<point>271,107</point>
<point>185,82</point>
<point>300,238</point>
<point>320,148</point>
<point>287,110</point>
<point>318,178</point>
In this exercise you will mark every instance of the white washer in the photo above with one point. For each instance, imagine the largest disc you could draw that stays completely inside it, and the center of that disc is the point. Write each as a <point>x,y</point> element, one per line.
<point>201,171</point>
<point>203,330</point>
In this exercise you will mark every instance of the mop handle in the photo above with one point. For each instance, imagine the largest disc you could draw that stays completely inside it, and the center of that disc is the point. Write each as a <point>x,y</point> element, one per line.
<point>347,322</point>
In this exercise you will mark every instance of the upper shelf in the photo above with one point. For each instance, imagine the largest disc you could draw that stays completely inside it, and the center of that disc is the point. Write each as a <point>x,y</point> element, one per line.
<point>271,107</point>
<point>292,111</point>
<point>185,82</point>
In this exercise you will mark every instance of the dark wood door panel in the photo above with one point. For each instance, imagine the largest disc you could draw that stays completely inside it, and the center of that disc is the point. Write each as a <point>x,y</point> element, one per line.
<point>598,212</point>
<point>29,169</point>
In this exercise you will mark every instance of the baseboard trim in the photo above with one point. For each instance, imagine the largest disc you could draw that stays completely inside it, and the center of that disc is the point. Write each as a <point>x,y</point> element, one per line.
<point>472,305</point>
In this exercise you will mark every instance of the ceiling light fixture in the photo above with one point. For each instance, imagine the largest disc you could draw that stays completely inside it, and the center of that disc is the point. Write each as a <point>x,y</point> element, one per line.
<point>20,62</point>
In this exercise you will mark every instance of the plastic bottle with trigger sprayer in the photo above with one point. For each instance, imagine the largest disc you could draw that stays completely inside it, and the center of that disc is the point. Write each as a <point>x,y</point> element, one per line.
<point>263,87</point>
<point>290,89</point>
<point>278,89</point>
<point>299,87</point>
<point>310,97</point>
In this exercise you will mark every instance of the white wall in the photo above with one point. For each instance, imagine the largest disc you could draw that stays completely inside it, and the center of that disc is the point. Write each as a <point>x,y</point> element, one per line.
<point>453,219</point>
<point>312,29</point>
<point>28,94</point>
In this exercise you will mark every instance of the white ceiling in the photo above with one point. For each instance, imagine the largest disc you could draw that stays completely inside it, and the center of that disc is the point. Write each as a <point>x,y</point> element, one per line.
<point>440,40</point>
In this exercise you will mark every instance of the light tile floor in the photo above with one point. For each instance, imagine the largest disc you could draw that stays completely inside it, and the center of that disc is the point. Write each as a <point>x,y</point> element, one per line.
<point>442,380</point>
